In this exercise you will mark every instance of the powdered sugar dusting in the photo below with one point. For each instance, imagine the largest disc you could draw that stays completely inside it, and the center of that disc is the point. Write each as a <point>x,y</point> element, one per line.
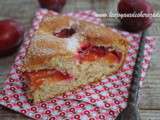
<point>72,43</point>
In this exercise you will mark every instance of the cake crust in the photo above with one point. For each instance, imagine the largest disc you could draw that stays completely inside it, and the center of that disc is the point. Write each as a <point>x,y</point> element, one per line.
<point>65,46</point>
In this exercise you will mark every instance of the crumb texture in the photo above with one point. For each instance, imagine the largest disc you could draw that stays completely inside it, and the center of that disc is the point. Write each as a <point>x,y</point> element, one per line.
<point>60,42</point>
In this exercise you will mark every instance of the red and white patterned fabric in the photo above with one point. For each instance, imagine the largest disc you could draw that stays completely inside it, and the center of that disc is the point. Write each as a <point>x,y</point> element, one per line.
<point>103,100</point>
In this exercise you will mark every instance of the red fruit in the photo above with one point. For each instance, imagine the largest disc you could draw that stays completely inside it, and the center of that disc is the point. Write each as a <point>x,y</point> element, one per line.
<point>55,5</point>
<point>36,77</point>
<point>135,24</point>
<point>54,74</point>
<point>65,33</point>
<point>112,58</point>
<point>10,33</point>
<point>90,52</point>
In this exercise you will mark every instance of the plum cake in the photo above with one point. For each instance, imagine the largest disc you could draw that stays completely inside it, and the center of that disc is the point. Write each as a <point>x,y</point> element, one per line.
<point>65,54</point>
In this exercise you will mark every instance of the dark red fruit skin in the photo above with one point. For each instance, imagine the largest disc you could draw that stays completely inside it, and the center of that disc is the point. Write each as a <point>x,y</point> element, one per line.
<point>10,34</point>
<point>65,33</point>
<point>55,5</point>
<point>135,6</point>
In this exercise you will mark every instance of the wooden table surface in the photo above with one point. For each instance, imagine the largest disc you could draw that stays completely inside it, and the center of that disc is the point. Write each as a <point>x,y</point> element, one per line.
<point>23,10</point>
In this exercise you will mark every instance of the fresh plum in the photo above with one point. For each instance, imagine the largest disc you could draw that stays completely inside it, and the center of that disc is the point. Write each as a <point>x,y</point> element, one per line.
<point>10,34</point>
<point>55,5</point>
<point>135,24</point>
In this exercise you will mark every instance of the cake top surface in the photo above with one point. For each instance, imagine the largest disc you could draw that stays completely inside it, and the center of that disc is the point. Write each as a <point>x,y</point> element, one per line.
<point>64,35</point>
